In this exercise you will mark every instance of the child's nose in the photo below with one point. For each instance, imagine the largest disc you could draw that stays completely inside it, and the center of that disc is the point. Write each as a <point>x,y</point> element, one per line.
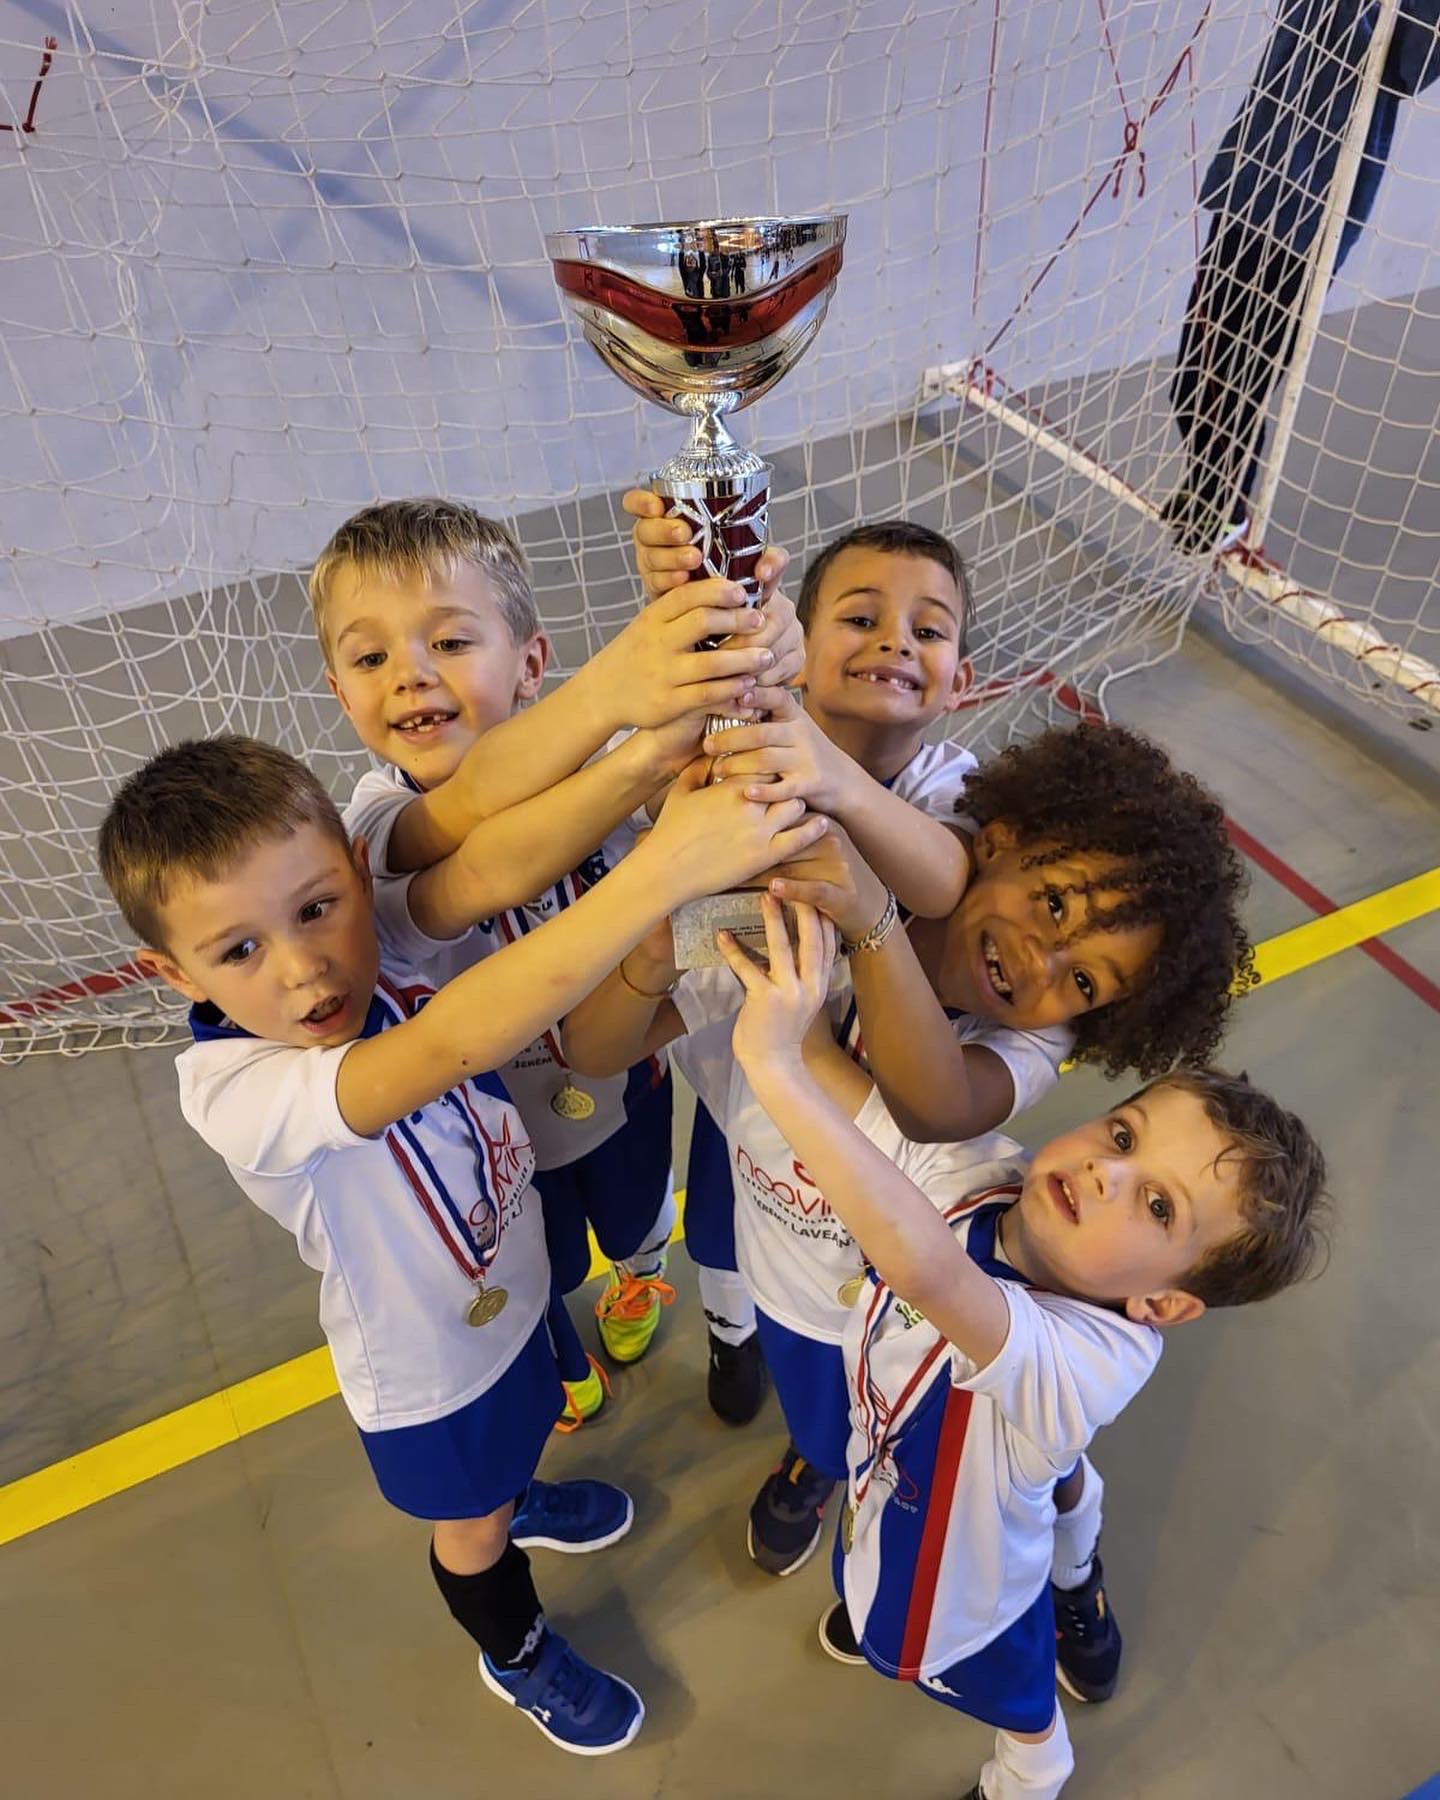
<point>304,964</point>
<point>412,669</point>
<point>1047,962</point>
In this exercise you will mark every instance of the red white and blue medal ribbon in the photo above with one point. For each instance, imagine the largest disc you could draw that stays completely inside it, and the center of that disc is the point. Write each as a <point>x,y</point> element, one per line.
<point>473,1243</point>
<point>878,1418</point>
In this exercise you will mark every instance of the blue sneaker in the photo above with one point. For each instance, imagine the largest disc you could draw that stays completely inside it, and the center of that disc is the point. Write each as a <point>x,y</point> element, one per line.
<point>573,1516</point>
<point>581,1709</point>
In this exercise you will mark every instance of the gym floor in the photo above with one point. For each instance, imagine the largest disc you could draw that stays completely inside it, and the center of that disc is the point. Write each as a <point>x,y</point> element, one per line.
<point>257,1622</point>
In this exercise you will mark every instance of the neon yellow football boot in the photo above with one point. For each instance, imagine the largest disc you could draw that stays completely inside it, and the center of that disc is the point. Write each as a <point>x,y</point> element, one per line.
<point>629,1311</point>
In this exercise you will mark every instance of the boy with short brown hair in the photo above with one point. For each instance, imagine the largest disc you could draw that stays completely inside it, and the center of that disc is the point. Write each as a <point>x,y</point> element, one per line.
<point>359,1106</point>
<point>1009,1307</point>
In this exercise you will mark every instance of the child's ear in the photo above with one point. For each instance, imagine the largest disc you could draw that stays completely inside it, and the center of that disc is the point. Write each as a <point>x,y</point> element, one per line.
<point>337,690</point>
<point>534,658</point>
<point>1171,1306</point>
<point>156,962</point>
<point>964,681</point>
<point>360,856</point>
<point>993,838</point>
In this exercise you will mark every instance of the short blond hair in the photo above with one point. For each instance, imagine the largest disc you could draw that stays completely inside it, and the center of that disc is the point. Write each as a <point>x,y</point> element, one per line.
<point>423,538</point>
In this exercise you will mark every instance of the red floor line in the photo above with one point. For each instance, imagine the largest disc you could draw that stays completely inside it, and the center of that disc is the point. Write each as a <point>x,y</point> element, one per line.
<point>1309,895</point>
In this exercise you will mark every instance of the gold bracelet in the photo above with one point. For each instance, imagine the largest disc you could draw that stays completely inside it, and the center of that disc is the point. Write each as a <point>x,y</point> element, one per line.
<point>639,992</point>
<point>878,932</point>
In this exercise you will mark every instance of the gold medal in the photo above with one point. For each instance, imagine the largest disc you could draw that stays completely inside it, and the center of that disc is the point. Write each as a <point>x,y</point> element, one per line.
<point>847,1528</point>
<point>850,1291</point>
<point>487,1306</point>
<point>573,1103</point>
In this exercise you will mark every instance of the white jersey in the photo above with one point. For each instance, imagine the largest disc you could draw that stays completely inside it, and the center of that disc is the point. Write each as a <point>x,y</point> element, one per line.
<point>950,1498</point>
<point>794,1253</point>
<point>537,1075</point>
<point>404,1228</point>
<point>934,780</point>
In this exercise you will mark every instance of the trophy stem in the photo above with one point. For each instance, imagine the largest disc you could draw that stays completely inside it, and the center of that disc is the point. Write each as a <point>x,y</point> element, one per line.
<point>710,441</point>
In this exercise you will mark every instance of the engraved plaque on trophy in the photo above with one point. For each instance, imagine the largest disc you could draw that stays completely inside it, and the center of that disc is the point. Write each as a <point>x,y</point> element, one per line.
<point>704,316</point>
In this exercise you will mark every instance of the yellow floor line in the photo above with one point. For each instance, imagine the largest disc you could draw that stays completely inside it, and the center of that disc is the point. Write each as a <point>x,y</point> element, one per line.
<point>225,1417</point>
<point>1349,925</point>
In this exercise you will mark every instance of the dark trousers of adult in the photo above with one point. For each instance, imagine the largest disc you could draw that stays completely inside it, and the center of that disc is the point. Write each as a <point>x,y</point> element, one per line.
<point>1237,340</point>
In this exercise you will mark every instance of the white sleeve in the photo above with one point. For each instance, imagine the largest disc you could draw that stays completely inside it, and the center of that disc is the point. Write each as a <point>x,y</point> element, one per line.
<point>706,996</point>
<point>1065,1369</point>
<point>708,1001</point>
<point>707,1061</point>
<point>933,781</point>
<point>401,939</point>
<point>269,1109</point>
<point>1032,1057</point>
<point>943,1171</point>
<point>376,804</point>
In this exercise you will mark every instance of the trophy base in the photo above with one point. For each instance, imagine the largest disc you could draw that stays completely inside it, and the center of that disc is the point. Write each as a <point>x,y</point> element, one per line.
<point>693,927</point>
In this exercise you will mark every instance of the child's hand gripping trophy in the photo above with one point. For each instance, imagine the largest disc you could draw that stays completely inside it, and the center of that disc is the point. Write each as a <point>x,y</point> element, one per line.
<point>783,999</point>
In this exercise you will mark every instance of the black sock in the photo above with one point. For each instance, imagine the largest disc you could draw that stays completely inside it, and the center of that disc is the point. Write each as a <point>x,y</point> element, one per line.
<point>498,1607</point>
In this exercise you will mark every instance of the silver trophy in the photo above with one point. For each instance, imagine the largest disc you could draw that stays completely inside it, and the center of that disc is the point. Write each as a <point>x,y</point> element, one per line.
<point>704,316</point>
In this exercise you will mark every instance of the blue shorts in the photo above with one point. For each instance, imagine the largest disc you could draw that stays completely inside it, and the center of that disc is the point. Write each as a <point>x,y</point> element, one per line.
<point>810,1385</point>
<point>468,1464</point>
<point>618,1187</point>
<point>1009,1684</point>
<point>709,1196</point>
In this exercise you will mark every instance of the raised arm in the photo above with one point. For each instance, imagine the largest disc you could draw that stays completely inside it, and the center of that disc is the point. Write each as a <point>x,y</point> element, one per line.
<point>516,854</point>
<point>787,756</point>
<point>629,1015</point>
<point>937,1089</point>
<point>904,1236</point>
<point>649,674</point>
<point>484,1016</point>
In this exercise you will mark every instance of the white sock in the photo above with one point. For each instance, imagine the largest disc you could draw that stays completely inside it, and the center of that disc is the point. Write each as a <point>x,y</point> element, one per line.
<point>1077,1532</point>
<point>729,1310</point>
<point>1021,1771</point>
<point>649,1259</point>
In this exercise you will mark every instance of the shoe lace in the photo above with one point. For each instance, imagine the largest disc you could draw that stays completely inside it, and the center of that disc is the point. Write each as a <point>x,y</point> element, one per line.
<point>811,1488</point>
<point>560,1503</point>
<point>1083,1621</point>
<point>570,1684</point>
<point>632,1297</point>
<point>572,1418</point>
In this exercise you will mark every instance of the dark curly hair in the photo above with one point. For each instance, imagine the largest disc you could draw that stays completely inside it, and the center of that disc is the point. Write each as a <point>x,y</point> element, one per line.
<point>1105,791</point>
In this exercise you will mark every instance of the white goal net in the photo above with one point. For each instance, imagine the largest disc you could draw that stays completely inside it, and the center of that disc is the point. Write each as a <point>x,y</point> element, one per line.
<point>262,263</point>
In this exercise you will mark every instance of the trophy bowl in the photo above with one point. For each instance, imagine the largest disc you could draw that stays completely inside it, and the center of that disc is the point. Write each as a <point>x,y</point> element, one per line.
<point>701,316</point>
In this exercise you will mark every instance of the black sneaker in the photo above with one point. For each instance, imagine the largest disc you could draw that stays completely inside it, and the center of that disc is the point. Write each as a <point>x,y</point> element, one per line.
<point>1087,1639</point>
<point>737,1380</point>
<point>1201,527</point>
<point>787,1515</point>
<point>837,1635</point>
